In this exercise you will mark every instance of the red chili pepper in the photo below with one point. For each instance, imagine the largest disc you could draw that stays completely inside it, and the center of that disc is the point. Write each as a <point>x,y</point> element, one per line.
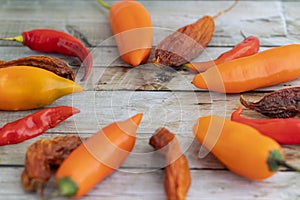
<point>34,124</point>
<point>53,41</point>
<point>247,47</point>
<point>283,130</point>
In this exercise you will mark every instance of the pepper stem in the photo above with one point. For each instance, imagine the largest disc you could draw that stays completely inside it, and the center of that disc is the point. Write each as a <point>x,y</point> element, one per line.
<point>67,187</point>
<point>226,10</point>
<point>288,166</point>
<point>103,4</point>
<point>18,38</point>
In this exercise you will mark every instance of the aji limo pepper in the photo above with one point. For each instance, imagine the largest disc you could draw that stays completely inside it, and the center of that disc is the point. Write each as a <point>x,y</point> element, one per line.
<point>131,25</point>
<point>283,130</point>
<point>266,68</point>
<point>241,148</point>
<point>97,157</point>
<point>54,41</point>
<point>26,87</point>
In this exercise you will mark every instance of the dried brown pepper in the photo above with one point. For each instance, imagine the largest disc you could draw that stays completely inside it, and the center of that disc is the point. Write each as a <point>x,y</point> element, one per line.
<point>177,172</point>
<point>187,42</point>
<point>55,65</point>
<point>43,154</point>
<point>284,103</point>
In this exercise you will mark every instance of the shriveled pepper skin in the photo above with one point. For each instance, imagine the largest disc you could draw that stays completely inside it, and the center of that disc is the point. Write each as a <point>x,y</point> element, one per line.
<point>26,87</point>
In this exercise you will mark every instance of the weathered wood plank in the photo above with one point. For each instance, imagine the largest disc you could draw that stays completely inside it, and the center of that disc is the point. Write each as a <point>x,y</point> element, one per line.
<point>206,184</point>
<point>92,21</point>
<point>110,72</point>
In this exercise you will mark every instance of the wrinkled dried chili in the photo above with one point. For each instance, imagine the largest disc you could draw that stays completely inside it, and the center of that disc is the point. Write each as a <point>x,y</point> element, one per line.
<point>282,103</point>
<point>55,65</point>
<point>177,172</point>
<point>34,124</point>
<point>43,154</point>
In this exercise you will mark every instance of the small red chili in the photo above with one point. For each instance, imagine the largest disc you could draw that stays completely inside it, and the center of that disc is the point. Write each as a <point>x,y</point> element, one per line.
<point>283,130</point>
<point>34,124</point>
<point>247,47</point>
<point>53,41</point>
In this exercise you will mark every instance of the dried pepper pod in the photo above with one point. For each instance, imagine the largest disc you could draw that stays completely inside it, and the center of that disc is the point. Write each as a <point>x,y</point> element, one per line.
<point>282,103</point>
<point>187,42</point>
<point>43,154</point>
<point>25,87</point>
<point>177,171</point>
<point>49,63</point>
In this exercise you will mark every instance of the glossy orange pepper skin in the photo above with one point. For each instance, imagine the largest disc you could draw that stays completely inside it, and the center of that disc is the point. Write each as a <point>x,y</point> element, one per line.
<point>266,68</point>
<point>241,148</point>
<point>97,157</point>
<point>131,25</point>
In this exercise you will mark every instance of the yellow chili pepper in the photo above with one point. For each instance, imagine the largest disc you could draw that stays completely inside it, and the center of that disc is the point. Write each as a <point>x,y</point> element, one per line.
<point>26,87</point>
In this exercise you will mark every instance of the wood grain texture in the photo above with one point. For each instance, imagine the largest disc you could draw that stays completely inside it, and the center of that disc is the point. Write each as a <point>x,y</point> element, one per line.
<point>116,91</point>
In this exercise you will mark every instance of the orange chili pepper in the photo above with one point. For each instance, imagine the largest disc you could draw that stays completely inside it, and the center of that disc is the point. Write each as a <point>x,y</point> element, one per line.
<point>97,157</point>
<point>132,28</point>
<point>266,68</point>
<point>241,148</point>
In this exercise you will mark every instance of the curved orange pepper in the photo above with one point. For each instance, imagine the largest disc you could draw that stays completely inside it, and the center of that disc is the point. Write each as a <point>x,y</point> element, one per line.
<point>97,157</point>
<point>266,68</point>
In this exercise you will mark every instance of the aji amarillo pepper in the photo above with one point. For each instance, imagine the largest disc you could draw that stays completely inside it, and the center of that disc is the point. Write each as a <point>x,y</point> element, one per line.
<point>26,87</point>
<point>131,25</point>
<point>283,130</point>
<point>97,157</point>
<point>247,47</point>
<point>241,148</point>
<point>49,40</point>
<point>34,124</point>
<point>266,68</point>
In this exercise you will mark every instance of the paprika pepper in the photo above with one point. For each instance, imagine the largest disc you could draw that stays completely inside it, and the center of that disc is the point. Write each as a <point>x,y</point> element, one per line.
<point>26,87</point>
<point>49,40</point>
<point>34,124</point>
<point>283,130</point>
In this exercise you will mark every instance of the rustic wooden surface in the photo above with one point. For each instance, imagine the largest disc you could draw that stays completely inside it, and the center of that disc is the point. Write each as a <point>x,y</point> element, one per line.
<point>116,91</point>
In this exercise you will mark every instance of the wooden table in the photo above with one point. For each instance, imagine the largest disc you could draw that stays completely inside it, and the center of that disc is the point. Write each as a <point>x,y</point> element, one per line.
<point>116,91</point>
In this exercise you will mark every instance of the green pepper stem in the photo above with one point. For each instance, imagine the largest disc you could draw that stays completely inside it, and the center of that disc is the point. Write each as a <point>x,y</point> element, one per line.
<point>66,187</point>
<point>103,4</point>
<point>288,166</point>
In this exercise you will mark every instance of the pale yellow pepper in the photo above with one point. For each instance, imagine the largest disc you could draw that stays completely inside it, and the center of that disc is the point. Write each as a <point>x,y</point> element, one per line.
<point>26,87</point>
